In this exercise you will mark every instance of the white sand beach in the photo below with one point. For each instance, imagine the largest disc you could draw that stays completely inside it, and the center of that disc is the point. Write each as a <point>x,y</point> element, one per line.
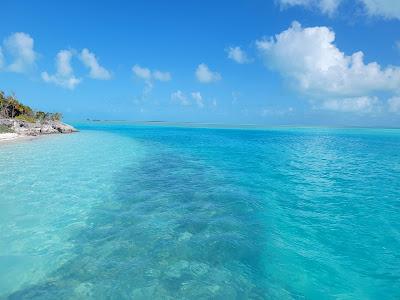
<point>11,137</point>
<point>8,136</point>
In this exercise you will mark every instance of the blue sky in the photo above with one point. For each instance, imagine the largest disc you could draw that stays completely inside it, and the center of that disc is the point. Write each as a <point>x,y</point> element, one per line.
<point>283,62</point>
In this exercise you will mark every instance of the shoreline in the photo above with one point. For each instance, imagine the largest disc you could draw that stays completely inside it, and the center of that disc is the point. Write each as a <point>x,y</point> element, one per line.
<point>19,130</point>
<point>7,138</point>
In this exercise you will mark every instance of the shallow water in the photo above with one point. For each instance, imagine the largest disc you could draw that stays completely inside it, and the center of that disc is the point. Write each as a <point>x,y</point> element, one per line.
<point>150,212</point>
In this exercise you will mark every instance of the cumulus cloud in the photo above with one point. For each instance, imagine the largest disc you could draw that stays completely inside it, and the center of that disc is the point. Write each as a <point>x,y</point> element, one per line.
<point>326,6</point>
<point>147,74</point>
<point>198,99</point>
<point>205,75</point>
<point>96,70</point>
<point>237,55</point>
<point>64,75</point>
<point>388,9</point>
<point>394,105</point>
<point>187,99</point>
<point>161,76</point>
<point>310,60</point>
<point>20,46</point>
<point>180,97</point>
<point>142,73</point>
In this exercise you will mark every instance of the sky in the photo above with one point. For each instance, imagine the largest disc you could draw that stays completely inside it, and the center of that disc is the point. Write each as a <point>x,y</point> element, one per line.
<point>277,62</point>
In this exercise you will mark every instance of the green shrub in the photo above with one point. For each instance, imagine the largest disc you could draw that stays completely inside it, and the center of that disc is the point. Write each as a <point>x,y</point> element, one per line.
<point>5,129</point>
<point>40,116</point>
<point>25,118</point>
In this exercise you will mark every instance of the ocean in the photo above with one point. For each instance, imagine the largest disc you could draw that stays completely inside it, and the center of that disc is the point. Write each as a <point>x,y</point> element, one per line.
<point>138,211</point>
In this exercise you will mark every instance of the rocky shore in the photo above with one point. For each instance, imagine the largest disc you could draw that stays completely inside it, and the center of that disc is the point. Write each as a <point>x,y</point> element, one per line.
<point>24,128</point>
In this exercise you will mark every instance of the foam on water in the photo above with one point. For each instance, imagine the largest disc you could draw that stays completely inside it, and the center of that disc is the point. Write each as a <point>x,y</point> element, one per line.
<point>123,211</point>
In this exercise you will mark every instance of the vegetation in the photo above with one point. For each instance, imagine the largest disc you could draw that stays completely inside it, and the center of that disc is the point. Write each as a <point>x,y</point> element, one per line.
<point>5,129</point>
<point>26,118</point>
<point>11,108</point>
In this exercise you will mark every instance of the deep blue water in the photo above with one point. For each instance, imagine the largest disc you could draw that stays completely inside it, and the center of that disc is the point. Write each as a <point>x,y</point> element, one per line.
<point>124,211</point>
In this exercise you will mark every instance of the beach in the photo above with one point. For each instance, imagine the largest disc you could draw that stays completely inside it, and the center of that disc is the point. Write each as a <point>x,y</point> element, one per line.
<point>4,137</point>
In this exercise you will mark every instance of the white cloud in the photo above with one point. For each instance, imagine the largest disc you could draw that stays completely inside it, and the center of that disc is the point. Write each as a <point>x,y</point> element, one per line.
<point>142,73</point>
<point>64,75</point>
<point>326,6</point>
<point>180,97</point>
<point>205,75</point>
<point>394,104</point>
<point>184,100</point>
<point>311,61</point>
<point>357,104</point>
<point>198,98</point>
<point>147,74</point>
<point>20,46</point>
<point>96,71</point>
<point>237,55</point>
<point>388,9</point>
<point>161,76</point>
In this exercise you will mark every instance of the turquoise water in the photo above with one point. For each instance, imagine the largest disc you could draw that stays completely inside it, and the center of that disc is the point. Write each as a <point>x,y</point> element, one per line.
<point>123,211</point>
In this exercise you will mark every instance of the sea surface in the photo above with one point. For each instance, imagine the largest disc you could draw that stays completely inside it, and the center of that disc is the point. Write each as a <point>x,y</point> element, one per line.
<point>133,211</point>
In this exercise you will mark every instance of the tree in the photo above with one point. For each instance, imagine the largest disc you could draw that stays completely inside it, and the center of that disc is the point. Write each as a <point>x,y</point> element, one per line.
<point>14,107</point>
<point>57,117</point>
<point>26,110</point>
<point>10,107</point>
<point>40,115</point>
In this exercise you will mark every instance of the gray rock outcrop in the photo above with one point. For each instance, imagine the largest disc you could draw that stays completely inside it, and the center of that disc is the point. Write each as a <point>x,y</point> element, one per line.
<point>38,128</point>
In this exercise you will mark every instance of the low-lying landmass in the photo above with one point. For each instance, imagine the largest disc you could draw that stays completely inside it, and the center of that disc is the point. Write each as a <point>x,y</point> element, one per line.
<point>19,120</point>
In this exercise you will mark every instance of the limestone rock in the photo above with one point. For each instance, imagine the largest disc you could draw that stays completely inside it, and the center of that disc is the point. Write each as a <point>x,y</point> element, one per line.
<point>38,128</point>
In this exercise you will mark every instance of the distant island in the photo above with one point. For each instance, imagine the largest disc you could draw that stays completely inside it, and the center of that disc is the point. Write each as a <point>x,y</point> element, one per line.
<point>19,120</point>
